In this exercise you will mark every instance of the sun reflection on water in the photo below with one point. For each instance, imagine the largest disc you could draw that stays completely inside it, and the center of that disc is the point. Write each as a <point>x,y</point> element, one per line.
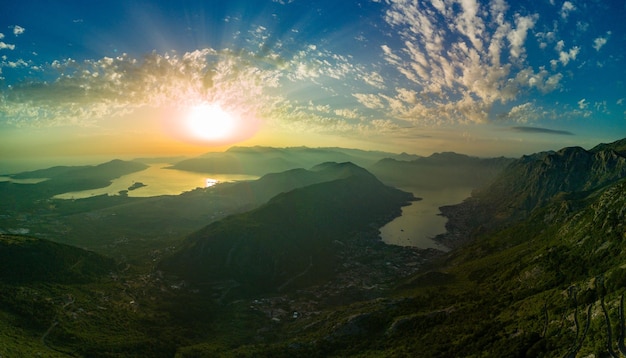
<point>209,182</point>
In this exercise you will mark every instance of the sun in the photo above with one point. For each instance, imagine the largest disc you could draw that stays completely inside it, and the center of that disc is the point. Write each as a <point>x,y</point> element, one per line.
<point>209,122</point>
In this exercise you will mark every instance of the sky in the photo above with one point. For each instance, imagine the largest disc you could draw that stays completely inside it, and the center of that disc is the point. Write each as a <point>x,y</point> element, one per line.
<point>123,78</point>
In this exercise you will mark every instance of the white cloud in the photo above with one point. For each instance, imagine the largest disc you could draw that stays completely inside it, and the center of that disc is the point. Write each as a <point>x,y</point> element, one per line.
<point>4,45</point>
<point>347,113</point>
<point>566,56</point>
<point>18,30</point>
<point>374,79</point>
<point>545,38</point>
<point>599,42</point>
<point>457,56</point>
<point>517,37</point>
<point>371,101</point>
<point>470,23</point>
<point>1,35</point>
<point>559,45</point>
<point>522,114</point>
<point>583,104</point>
<point>566,9</point>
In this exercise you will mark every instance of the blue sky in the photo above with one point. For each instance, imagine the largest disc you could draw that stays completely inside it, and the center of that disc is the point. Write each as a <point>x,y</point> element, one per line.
<point>480,77</point>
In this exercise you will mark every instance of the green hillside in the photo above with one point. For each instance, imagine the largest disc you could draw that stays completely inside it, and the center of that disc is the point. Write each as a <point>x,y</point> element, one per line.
<point>292,235</point>
<point>27,259</point>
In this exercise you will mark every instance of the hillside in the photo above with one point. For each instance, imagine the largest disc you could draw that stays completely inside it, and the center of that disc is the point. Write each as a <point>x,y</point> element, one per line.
<point>533,181</point>
<point>27,259</point>
<point>61,179</point>
<point>550,284</point>
<point>259,191</point>
<point>292,235</point>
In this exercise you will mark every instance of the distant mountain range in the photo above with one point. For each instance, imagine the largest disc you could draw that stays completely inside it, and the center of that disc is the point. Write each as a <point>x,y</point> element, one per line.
<point>439,170</point>
<point>264,160</point>
<point>294,235</point>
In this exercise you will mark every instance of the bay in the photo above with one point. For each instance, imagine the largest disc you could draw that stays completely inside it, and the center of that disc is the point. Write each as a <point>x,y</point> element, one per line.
<point>158,181</point>
<point>421,221</point>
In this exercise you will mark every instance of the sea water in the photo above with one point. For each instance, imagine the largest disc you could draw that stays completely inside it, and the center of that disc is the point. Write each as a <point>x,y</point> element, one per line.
<point>158,180</point>
<point>421,221</point>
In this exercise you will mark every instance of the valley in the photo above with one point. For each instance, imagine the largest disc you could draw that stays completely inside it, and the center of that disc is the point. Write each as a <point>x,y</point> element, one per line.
<point>292,264</point>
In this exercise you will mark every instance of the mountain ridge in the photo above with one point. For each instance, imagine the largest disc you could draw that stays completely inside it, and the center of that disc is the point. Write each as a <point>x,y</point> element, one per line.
<point>532,181</point>
<point>292,233</point>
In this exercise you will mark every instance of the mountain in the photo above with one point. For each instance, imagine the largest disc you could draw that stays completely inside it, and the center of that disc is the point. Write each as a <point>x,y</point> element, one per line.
<point>259,191</point>
<point>440,170</point>
<point>262,160</point>
<point>291,238</point>
<point>61,179</point>
<point>549,283</point>
<point>617,146</point>
<point>533,181</point>
<point>538,270</point>
<point>27,259</point>
<point>105,171</point>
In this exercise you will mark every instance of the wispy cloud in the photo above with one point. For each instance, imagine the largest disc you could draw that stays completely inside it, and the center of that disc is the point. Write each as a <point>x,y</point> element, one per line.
<point>539,130</point>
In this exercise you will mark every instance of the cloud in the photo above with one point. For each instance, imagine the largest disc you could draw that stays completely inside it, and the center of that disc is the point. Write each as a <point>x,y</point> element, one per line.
<point>465,67</point>
<point>267,87</point>
<point>583,104</point>
<point>517,37</point>
<point>523,113</point>
<point>566,9</point>
<point>13,64</point>
<point>374,79</point>
<point>4,45</point>
<point>566,56</point>
<point>599,42</point>
<point>539,130</point>
<point>18,30</point>
<point>85,92</point>
<point>371,101</point>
